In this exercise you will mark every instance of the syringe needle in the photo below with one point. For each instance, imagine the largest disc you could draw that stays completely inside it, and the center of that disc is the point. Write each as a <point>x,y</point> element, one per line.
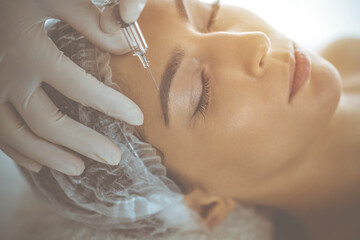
<point>152,77</point>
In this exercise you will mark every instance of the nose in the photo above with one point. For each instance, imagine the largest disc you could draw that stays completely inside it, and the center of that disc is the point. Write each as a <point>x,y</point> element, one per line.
<point>254,52</point>
<point>248,50</point>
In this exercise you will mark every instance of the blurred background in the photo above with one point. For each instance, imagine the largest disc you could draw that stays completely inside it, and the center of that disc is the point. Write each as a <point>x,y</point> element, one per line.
<point>311,23</point>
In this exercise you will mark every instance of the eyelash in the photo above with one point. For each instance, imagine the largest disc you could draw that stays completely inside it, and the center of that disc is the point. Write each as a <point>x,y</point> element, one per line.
<point>205,94</point>
<point>205,78</point>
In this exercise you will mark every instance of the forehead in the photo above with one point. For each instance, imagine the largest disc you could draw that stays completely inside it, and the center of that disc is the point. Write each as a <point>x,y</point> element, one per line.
<point>163,28</point>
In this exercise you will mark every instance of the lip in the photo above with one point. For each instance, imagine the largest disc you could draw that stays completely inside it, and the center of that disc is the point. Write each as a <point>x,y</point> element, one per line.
<point>299,71</point>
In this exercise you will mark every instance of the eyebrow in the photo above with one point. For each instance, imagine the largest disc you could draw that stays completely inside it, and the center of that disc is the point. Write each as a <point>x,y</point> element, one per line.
<point>171,68</point>
<point>180,6</point>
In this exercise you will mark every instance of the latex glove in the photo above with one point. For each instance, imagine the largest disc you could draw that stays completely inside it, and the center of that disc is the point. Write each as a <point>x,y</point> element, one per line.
<point>32,130</point>
<point>129,11</point>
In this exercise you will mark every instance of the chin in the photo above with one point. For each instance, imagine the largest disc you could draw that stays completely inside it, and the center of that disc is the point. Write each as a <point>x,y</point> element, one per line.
<point>322,91</point>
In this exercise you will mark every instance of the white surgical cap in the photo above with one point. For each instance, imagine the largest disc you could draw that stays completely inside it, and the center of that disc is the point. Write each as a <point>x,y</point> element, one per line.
<point>135,196</point>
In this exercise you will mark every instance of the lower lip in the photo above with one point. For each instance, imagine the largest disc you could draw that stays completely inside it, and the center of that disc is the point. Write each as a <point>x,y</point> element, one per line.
<point>301,72</point>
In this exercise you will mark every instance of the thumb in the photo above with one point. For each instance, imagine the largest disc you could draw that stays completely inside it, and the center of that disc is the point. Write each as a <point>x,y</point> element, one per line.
<point>86,20</point>
<point>129,12</point>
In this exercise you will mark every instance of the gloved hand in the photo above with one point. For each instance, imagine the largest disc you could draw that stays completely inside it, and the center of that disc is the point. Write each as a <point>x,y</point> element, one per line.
<point>32,130</point>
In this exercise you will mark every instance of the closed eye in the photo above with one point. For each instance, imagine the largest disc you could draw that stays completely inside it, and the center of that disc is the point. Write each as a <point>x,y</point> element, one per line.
<point>205,95</point>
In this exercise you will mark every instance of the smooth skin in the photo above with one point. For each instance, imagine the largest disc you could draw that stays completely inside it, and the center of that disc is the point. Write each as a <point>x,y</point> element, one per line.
<point>251,145</point>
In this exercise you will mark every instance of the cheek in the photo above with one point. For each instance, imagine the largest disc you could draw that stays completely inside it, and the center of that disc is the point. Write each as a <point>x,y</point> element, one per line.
<point>325,87</point>
<point>259,139</point>
<point>315,105</point>
<point>185,156</point>
<point>265,134</point>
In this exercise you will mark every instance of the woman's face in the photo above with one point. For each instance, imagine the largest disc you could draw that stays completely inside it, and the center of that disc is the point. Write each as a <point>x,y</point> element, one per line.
<point>222,117</point>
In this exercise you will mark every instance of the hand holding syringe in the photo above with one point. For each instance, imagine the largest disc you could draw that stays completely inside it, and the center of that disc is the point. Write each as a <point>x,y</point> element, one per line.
<point>29,121</point>
<point>136,42</point>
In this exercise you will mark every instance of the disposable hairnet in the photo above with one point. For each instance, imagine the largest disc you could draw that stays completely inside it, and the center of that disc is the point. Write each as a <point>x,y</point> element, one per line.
<point>135,196</point>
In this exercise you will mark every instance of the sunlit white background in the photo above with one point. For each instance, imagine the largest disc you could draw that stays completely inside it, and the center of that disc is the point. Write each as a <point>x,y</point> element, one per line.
<point>311,23</point>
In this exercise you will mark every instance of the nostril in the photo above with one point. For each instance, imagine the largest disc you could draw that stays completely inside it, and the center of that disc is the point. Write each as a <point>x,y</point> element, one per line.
<point>255,49</point>
<point>260,60</point>
<point>264,49</point>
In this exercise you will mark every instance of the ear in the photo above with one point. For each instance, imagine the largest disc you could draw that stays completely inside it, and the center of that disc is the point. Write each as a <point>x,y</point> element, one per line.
<point>212,209</point>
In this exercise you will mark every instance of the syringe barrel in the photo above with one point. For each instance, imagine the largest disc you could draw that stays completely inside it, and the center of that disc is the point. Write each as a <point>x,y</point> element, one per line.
<point>135,39</point>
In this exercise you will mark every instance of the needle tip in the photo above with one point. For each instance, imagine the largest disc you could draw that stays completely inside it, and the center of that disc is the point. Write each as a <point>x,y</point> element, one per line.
<point>152,77</point>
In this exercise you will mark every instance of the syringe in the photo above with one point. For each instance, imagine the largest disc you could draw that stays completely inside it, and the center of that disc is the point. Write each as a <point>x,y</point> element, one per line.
<point>136,42</point>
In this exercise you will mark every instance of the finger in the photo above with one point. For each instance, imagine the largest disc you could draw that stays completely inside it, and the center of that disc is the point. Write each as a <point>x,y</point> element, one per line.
<point>46,121</point>
<point>14,133</point>
<point>73,82</point>
<point>108,21</point>
<point>21,159</point>
<point>130,10</point>
<point>86,20</point>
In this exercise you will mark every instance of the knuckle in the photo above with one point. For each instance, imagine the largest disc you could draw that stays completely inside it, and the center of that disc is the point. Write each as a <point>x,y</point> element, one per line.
<point>9,129</point>
<point>57,117</point>
<point>48,124</point>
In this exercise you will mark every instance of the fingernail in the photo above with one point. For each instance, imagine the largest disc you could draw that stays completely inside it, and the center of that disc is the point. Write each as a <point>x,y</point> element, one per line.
<point>37,169</point>
<point>112,157</point>
<point>137,121</point>
<point>136,117</point>
<point>75,170</point>
<point>32,166</point>
<point>115,158</point>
